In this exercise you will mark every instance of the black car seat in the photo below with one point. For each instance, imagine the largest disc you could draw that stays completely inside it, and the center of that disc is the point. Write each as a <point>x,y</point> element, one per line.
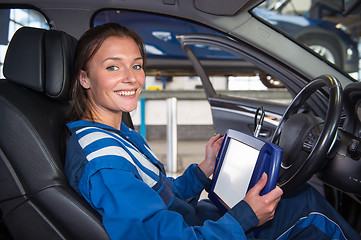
<point>36,201</point>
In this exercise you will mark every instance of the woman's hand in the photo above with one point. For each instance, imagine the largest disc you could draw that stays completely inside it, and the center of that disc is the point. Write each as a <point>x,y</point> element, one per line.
<point>212,148</point>
<point>263,206</point>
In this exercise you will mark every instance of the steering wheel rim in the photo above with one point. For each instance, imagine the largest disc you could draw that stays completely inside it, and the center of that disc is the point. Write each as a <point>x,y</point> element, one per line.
<point>291,178</point>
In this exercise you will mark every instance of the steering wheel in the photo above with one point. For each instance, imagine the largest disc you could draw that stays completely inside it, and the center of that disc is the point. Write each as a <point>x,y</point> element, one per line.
<point>297,170</point>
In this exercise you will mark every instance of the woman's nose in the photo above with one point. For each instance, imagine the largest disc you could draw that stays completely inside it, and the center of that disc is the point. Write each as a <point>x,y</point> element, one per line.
<point>129,75</point>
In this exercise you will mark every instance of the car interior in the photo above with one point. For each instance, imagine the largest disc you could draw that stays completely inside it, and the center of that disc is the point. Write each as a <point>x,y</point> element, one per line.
<point>36,200</point>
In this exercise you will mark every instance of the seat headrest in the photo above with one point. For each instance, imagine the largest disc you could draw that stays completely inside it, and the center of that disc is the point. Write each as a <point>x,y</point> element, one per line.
<point>41,60</point>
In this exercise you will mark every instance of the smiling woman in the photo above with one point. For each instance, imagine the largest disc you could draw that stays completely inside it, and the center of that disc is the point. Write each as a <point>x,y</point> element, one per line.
<point>114,169</point>
<point>109,75</point>
<point>113,79</point>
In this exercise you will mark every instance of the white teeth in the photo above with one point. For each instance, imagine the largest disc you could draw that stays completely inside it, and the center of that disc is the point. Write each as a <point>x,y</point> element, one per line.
<point>125,93</point>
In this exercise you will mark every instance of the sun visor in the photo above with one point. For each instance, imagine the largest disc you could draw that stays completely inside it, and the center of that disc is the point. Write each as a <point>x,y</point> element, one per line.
<point>224,7</point>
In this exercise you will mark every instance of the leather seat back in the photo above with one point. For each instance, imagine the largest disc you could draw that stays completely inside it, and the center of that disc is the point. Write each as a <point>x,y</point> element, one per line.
<point>36,201</point>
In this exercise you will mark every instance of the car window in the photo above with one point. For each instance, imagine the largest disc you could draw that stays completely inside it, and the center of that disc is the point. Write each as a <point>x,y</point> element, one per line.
<point>13,19</point>
<point>168,64</point>
<point>326,27</point>
<point>236,77</point>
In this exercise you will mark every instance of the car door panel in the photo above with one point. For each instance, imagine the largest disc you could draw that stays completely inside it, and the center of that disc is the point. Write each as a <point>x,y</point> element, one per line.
<point>240,113</point>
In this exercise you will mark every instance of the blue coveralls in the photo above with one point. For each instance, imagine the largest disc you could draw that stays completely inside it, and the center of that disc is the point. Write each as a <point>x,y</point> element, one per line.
<point>116,172</point>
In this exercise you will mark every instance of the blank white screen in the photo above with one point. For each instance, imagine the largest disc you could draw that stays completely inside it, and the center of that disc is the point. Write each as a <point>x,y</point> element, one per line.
<point>236,172</point>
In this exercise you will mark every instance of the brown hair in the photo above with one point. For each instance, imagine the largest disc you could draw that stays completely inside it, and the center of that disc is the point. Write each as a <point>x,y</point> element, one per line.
<point>87,47</point>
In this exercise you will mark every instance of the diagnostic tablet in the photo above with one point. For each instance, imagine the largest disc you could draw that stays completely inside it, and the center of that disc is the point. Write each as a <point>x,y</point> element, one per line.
<point>241,161</point>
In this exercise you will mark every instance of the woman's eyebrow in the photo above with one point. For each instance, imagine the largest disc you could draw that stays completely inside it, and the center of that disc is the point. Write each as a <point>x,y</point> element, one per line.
<point>118,59</point>
<point>138,58</point>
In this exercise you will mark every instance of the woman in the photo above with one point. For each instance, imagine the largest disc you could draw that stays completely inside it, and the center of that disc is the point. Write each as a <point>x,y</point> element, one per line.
<point>113,168</point>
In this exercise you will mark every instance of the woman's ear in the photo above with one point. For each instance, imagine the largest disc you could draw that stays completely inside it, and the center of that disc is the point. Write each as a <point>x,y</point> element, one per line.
<point>83,79</point>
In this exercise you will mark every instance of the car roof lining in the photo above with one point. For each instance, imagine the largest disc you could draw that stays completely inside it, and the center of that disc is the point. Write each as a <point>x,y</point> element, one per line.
<point>230,14</point>
<point>228,7</point>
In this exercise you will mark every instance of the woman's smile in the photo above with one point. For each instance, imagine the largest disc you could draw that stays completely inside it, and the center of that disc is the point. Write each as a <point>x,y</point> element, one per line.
<point>126,93</point>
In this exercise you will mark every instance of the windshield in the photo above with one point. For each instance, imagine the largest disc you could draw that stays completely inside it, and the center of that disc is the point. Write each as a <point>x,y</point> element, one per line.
<point>329,28</point>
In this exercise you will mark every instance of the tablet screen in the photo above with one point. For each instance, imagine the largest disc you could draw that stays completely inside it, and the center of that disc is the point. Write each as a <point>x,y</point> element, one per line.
<point>236,172</point>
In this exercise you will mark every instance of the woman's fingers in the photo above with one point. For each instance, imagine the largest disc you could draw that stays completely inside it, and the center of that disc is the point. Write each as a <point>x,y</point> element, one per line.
<point>263,206</point>
<point>257,188</point>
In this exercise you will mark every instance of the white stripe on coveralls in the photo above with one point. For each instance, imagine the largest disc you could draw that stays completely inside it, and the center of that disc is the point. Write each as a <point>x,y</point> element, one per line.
<point>117,151</point>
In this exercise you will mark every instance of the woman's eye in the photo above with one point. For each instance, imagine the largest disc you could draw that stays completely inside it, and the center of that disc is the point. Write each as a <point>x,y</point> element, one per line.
<point>112,68</point>
<point>137,67</point>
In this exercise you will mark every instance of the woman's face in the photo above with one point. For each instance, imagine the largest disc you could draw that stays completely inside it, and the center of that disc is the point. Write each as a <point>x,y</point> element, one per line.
<point>114,77</point>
